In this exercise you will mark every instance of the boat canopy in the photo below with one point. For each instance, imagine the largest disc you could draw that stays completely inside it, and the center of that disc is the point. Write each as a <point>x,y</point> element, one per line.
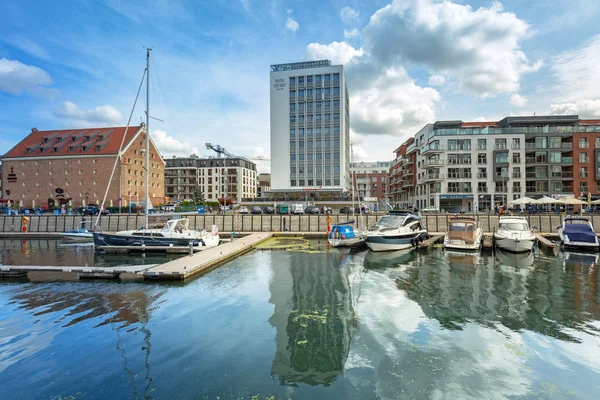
<point>579,232</point>
<point>342,232</point>
<point>462,230</point>
<point>176,225</point>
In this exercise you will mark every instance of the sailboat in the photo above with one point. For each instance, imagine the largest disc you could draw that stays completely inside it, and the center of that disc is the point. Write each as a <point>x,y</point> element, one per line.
<point>175,232</point>
<point>343,234</point>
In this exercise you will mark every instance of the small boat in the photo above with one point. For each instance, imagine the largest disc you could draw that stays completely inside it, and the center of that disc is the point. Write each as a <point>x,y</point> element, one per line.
<point>174,233</point>
<point>578,233</point>
<point>78,235</point>
<point>514,235</point>
<point>464,233</point>
<point>396,230</point>
<point>344,235</point>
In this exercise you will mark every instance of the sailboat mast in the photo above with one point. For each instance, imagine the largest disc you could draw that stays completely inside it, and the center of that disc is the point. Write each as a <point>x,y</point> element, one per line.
<point>148,50</point>
<point>352,175</point>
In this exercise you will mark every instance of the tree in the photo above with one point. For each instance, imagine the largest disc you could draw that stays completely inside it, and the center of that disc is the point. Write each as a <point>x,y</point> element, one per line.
<point>197,196</point>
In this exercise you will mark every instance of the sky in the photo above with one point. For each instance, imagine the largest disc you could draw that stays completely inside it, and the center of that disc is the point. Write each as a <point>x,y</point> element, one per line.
<point>77,64</point>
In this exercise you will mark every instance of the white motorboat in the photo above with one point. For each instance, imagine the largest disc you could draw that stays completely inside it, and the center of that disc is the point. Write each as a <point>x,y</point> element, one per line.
<point>578,233</point>
<point>514,235</point>
<point>396,230</point>
<point>174,233</point>
<point>344,235</point>
<point>464,233</point>
<point>78,235</point>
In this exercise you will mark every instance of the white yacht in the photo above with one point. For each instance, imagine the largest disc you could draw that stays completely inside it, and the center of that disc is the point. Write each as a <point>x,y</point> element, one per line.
<point>396,230</point>
<point>463,233</point>
<point>78,235</point>
<point>514,235</point>
<point>174,233</point>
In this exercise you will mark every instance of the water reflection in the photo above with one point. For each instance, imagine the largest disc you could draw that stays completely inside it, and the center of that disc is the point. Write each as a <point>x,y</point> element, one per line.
<point>313,316</point>
<point>53,252</point>
<point>35,316</point>
<point>506,289</point>
<point>388,259</point>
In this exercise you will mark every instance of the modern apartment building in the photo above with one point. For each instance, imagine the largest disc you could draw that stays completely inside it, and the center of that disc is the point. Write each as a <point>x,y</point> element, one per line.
<point>264,185</point>
<point>73,166</point>
<point>476,165</point>
<point>402,175</point>
<point>310,145</point>
<point>187,177</point>
<point>371,179</point>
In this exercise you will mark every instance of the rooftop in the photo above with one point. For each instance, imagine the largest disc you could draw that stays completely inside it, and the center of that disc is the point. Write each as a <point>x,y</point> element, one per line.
<point>72,142</point>
<point>301,65</point>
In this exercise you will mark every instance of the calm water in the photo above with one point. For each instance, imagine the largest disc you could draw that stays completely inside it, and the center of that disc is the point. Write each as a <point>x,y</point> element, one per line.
<point>54,252</point>
<point>302,325</point>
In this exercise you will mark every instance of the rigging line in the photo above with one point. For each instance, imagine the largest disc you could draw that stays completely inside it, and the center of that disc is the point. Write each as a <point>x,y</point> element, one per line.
<point>165,101</point>
<point>118,158</point>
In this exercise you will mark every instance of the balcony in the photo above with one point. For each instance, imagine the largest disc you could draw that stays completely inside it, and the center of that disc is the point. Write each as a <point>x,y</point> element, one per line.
<point>516,175</point>
<point>455,147</point>
<point>481,147</point>
<point>539,175</point>
<point>432,149</point>
<point>458,161</point>
<point>516,189</point>
<point>500,146</point>
<point>584,145</point>
<point>411,148</point>
<point>536,160</point>
<point>501,178</point>
<point>561,175</point>
<point>584,160</point>
<point>516,160</point>
<point>584,175</point>
<point>459,176</point>
<point>434,162</point>
<point>535,146</point>
<point>434,177</point>
<point>567,160</point>
<point>501,189</point>
<point>459,190</point>
<point>481,176</point>
<point>516,146</point>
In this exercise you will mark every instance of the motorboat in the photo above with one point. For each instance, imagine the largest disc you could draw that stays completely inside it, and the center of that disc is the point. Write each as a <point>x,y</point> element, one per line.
<point>578,233</point>
<point>78,235</point>
<point>514,235</point>
<point>344,235</point>
<point>396,230</point>
<point>464,233</point>
<point>176,232</point>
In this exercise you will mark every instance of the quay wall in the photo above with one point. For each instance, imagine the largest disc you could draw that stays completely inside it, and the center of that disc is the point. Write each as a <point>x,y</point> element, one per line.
<point>544,223</point>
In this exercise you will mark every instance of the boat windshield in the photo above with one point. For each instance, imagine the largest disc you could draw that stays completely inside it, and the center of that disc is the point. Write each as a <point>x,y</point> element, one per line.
<point>390,221</point>
<point>513,226</point>
<point>462,227</point>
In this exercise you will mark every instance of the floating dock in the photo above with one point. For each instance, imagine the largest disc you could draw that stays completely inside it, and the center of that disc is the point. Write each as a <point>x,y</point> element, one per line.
<point>427,244</point>
<point>149,249</point>
<point>204,261</point>
<point>21,271</point>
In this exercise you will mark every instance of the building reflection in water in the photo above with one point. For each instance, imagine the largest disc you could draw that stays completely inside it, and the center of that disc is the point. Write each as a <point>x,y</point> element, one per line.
<point>125,308</point>
<point>520,291</point>
<point>314,317</point>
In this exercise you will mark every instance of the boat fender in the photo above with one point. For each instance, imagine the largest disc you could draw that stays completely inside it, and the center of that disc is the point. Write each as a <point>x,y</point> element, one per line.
<point>343,236</point>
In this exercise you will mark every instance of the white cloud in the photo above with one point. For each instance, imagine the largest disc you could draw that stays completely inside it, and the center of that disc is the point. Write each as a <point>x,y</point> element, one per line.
<point>349,15</point>
<point>30,47</point>
<point>392,104</point>
<point>577,72</point>
<point>245,4</point>
<point>17,78</point>
<point>98,116</point>
<point>437,80</point>
<point>337,52</point>
<point>169,146</point>
<point>480,48</point>
<point>518,100</point>
<point>351,34</point>
<point>583,108</point>
<point>292,24</point>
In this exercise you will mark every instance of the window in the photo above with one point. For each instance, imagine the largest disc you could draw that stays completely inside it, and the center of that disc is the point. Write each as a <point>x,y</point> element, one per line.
<point>301,93</point>
<point>500,144</point>
<point>516,158</point>
<point>583,143</point>
<point>309,92</point>
<point>309,79</point>
<point>555,157</point>
<point>327,169</point>
<point>502,157</point>
<point>555,142</point>
<point>318,91</point>
<point>300,80</point>
<point>583,157</point>
<point>300,118</point>
<point>309,106</point>
<point>318,117</point>
<point>583,172</point>
<point>516,144</point>
<point>328,131</point>
<point>481,173</point>
<point>318,156</point>
<point>318,104</point>
<point>336,116</point>
<point>293,170</point>
<point>327,78</point>
<point>336,77</point>
<point>301,145</point>
<point>309,157</point>
<point>301,131</point>
<point>292,107</point>
<point>292,81</point>
<point>292,132</point>
<point>317,131</point>
<point>336,91</point>
<point>327,117</point>
<point>327,92</point>
<point>481,144</point>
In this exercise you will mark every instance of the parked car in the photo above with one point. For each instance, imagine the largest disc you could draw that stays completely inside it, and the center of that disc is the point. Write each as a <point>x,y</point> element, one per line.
<point>430,209</point>
<point>4,210</point>
<point>283,209</point>
<point>326,210</point>
<point>90,210</point>
<point>346,210</point>
<point>297,209</point>
<point>268,210</point>
<point>243,210</point>
<point>256,210</point>
<point>311,210</point>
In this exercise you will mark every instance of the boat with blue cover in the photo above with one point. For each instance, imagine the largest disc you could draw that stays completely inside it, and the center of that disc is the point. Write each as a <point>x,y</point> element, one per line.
<point>396,230</point>
<point>578,233</point>
<point>344,235</point>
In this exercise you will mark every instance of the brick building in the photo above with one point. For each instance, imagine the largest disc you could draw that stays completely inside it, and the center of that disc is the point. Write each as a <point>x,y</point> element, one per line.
<point>371,179</point>
<point>74,166</point>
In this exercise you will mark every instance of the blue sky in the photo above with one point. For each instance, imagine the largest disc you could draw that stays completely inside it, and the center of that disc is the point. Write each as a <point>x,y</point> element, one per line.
<point>410,62</point>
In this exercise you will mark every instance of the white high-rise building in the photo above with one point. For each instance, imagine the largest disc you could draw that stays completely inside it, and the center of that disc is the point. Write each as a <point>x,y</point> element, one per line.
<point>310,133</point>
